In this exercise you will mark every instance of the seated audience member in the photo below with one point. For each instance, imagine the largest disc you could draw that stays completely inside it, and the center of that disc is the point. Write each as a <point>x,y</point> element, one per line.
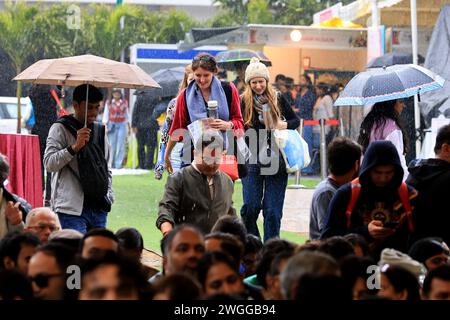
<point>42,222</point>
<point>112,277</point>
<point>312,263</point>
<point>131,245</point>
<point>232,225</point>
<point>343,164</point>
<point>16,250</point>
<point>182,248</point>
<point>252,254</point>
<point>69,237</point>
<point>431,178</point>
<point>396,258</point>
<point>354,272</point>
<point>226,243</point>
<point>397,283</point>
<point>321,287</point>
<point>47,271</point>
<point>97,242</point>
<point>218,273</point>
<point>13,209</point>
<point>432,252</point>
<point>337,247</point>
<point>360,246</point>
<point>177,287</point>
<point>436,285</point>
<point>377,205</point>
<point>14,285</point>
<point>272,289</point>
<point>198,194</point>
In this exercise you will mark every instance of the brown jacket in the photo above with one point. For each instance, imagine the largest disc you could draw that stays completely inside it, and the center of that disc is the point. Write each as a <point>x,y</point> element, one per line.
<point>187,199</point>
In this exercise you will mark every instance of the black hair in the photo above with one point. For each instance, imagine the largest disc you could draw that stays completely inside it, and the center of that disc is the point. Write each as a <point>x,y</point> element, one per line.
<point>130,271</point>
<point>442,137</point>
<point>280,77</point>
<point>229,244</point>
<point>212,258</point>
<point>253,244</point>
<point>130,238</point>
<point>13,285</point>
<point>4,169</point>
<point>63,254</point>
<point>358,240</point>
<point>182,287</point>
<point>322,287</point>
<point>205,61</point>
<point>308,79</point>
<point>289,83</point>
<point>441,272</point>
<point>166,242</point>
<point>425,248</point>
<point>401,279</point>
<point>324,87</point>
<point>12,243</point>
<point>353,267</point>
<point>342,154</point>
<point>232,225</point>
<point>270,250</point>
<point>99,232</point>
<point>274,269</point>
<point>337,247</point>
<point>377,117</point>
<point>94,95</point>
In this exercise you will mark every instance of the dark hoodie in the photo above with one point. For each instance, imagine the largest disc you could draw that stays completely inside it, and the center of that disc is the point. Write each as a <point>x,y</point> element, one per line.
<point>385,199</point>
<point>431,177</point>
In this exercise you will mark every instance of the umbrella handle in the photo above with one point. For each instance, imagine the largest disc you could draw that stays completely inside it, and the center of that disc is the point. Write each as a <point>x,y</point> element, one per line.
<point>86,110</point>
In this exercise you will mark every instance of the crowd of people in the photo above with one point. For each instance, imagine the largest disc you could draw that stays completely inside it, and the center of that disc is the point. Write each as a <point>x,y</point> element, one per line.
<point>378,230</point>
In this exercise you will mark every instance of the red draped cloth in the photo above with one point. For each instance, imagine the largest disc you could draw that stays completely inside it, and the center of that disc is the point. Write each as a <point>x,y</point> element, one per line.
<point>25,179</point>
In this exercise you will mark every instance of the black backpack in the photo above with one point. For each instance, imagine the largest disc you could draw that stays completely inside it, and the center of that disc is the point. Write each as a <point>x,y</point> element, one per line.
<point>92,165</point>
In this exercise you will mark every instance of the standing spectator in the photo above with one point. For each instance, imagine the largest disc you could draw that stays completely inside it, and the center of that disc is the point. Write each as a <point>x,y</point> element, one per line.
<point>76,210</point>
<point>304,104</point>
<point>343,163</point>
<point>192,105</point>
<point>264,110</point>
<point>383,123</point>
<point>13,209</point>
<point>199,194</point>
<point>115,118</point>
<point>431,177</point>
<point>45,114</point>
<point>175,157</point>
<point>289,83</point>
<point>145,127</point>
<point>378,212</point>
<point>280,81</point>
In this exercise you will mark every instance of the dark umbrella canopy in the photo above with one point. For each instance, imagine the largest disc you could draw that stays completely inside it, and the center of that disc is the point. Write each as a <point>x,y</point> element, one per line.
<point>382,84</point>
<point>389,59</point>
<point>235,59</point>
<point>169,80</point>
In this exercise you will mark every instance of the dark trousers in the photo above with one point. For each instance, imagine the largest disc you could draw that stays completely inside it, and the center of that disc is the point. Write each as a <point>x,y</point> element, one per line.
<point>146,140</point>
<point>264,192</point>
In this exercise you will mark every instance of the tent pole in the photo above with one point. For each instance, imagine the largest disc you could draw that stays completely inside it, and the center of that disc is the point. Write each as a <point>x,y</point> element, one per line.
<point>415,61</point>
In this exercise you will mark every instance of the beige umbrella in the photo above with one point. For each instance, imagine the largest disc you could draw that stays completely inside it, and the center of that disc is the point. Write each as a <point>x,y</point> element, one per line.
<point>87,69</point>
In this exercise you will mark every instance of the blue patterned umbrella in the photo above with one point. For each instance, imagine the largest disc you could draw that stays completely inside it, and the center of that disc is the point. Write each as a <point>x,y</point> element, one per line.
<point>391,83</point>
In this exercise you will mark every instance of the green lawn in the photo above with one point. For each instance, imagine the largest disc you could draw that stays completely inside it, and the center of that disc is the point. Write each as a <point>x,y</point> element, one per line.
<point>136,205</point>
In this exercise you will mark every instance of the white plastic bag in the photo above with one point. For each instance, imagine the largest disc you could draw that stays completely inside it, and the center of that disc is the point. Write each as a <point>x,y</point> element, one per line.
<point>293,148</point>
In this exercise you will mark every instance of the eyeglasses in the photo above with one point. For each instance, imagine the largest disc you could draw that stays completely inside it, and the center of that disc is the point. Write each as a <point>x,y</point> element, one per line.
<point>41,279</point>
<point>42,227</point>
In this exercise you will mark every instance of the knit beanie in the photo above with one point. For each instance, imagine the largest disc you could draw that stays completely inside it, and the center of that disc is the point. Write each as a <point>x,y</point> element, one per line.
<point>256,69</point>
<point>426,248</point>
<point>397,258</point>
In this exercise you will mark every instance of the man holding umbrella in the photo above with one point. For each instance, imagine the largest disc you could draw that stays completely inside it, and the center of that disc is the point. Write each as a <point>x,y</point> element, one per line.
<point>76,209</point>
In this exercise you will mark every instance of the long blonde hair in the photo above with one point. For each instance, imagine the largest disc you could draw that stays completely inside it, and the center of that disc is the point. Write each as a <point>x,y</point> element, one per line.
<point>247,97</point>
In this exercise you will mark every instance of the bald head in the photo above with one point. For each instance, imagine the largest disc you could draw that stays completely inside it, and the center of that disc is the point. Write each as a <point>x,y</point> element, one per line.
<point>42,222</point>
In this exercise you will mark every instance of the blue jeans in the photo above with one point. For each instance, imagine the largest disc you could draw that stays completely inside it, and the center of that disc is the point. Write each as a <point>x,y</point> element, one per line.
<point>117,133</point>
<point>266,193</point>
<point>88,220</point>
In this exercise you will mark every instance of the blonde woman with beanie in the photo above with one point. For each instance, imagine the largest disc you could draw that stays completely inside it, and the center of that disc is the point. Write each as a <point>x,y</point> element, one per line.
<point>264,187</point>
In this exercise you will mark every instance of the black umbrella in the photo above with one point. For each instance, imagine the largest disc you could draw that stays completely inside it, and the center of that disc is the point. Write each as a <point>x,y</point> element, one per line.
<point>392,58</point>
<point>169,80</point>
<point>235,59</point>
